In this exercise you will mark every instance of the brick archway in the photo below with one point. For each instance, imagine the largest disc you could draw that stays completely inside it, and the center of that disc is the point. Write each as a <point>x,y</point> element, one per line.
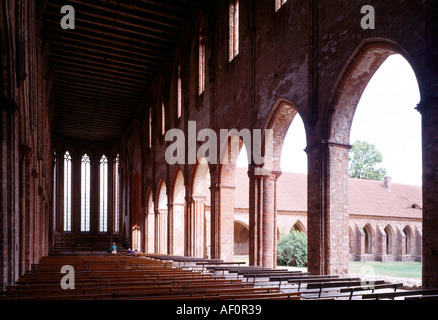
<point>198,242</point>
<point>328,159</point>
<point>178,206</point>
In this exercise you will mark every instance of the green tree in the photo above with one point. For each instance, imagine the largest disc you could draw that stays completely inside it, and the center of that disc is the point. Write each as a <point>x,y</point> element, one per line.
<point>364,158</point>
<point>292,249</point>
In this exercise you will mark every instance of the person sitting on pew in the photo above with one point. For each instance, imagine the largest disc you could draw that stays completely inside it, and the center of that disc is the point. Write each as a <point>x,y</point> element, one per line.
<point>113,248</point>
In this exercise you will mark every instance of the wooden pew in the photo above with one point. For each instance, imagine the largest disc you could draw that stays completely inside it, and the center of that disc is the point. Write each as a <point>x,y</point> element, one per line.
<point>405,294</point>
<point>127,277</point>
<point>329,286</point>
<point>373,288</point>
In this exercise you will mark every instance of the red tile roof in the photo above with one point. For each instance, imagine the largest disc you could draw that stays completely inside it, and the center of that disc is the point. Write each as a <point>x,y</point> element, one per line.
<point>366,198</point>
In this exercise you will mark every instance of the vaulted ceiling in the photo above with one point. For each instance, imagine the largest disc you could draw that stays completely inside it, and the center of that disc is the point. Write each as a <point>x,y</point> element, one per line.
<point>105,65</point>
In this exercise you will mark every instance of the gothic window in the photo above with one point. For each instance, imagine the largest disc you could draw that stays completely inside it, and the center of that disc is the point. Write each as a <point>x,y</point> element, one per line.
<point>103,194</point>
<point>178,93</point>
<point>116,194</point>
<point>279,4</point>
<point>85,193</point>
<point>201,61</point>
<point>163,119</point>
<point>67,191</point>
<point>54,190</point>
<point>150,128</point>
<point>233,29</point>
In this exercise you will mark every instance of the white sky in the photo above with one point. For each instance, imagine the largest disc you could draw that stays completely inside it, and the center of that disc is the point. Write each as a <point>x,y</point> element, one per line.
<point>385,117</point>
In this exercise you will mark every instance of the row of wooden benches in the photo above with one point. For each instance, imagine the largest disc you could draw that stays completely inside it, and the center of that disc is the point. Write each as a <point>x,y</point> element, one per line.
<point>126,277</point>
<point>333,286</point>
<point>142,276</point>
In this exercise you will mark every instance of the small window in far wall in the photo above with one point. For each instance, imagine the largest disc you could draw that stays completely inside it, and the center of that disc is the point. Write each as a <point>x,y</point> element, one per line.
<point>279,4</point>
<point>233,29</point>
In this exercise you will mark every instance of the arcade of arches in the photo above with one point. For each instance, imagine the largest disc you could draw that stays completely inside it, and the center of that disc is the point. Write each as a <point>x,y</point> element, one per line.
<point>85,112</point>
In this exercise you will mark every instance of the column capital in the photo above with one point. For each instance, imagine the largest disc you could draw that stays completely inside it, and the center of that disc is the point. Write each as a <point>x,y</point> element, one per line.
<point>427,104</point>
<point>262,173</point>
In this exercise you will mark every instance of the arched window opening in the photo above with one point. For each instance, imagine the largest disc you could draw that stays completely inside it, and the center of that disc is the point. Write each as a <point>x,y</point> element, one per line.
<point>233,29</point>
<point>116,195</point>
<point>279,4</point>
<point>103,194</point>
<point>368,240</point>
<point>389,240</point>
<point>54,190</point>
<point>241,239</point>
<point>178,93</point>
<point>408,240</point>
<point>85,193</point>
<point>163,119</point>
<point>67,191</point>
<point>150,128</point>
<point>201,60</point>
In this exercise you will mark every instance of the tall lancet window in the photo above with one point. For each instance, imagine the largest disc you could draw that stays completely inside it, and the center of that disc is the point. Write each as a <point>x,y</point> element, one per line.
<point>150,128</point>
<point>279,4</point>
<point>233,29</point>
<point>116,194</point>
<point>178,93</point>
<point>54,190</point>
<point>103,194</point>
<point>163,119</point>
<point>201,61</point>
<point>85,193</point>
<point>67,191</point>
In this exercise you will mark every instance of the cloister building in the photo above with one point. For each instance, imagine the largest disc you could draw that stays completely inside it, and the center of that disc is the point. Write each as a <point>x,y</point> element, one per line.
<point>90,89</point>
<point>385,218</point>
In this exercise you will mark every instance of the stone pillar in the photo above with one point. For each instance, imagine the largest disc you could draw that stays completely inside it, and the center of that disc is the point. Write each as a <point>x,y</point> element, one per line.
<point>328,208</point>
<point>221,220</point>
<point>263,217</point>
<point>429,111</point>
<point>150,232</point>
<point>428,108</point>
<point>418,244</point>
<point>197,226</point>
<point>178,228</point>
<point>161,231</point>
<point>136,210</point>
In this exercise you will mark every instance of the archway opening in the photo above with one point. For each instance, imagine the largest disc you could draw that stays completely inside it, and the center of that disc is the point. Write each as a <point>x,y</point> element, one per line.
<point>161,219</point>
<point>199,218</point>
<point>178,209</point>
<point>375,104</point>
<point>291,190</point>
<point>150,224</point>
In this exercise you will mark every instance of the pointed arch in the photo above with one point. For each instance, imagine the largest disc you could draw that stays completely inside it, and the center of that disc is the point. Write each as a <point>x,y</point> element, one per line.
<point>178,212</point>
<point>198,219</point>
<point>390,236</point>
<point>369,239</point>
<point>150,223</point>
<point>299,226</point>
<point>279,121</point>
<point>354,78</point>
<point>408,239</point>
<point>161,223</point>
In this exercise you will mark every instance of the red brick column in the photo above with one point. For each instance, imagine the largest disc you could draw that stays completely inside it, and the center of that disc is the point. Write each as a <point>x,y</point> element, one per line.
<point>269,225</point>
<point>197,225</point>
<point>263,218</point>
<point>222,222</point>
<point>429,111</point>
<point>328,243</point>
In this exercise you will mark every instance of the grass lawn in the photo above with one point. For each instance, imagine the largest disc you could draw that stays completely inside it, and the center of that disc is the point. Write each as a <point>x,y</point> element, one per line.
<point>393,269</point>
